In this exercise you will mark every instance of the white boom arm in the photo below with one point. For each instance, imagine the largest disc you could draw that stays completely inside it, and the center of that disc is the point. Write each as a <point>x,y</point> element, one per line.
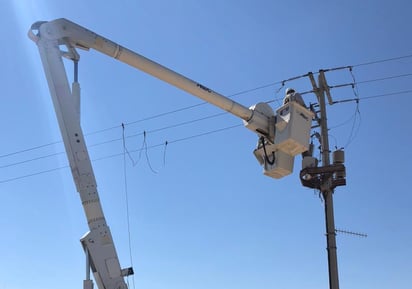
<point>50,36</point>
<point>65,32</point>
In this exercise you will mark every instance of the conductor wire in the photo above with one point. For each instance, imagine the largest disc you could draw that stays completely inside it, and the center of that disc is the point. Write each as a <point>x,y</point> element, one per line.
<point>125,152</point>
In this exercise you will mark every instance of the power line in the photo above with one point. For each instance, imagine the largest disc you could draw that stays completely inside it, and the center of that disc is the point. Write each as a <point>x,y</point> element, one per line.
<point>354,132</point>
<point>195,136</point>
<point>205,133</point>
<point>184,108</point>
<point>118,139</point>
<point>386,94</point>
<point>382,60</point>
<point>121,154</point>
<point>172,141</point>
<point>29,149</point>
<point>199,135</point>
<point>384,78</point>
<point>373,96</point>
<point>219,114</point>
<point>33,174</point>
<point>126,192</point>
<point>30,160</point>
<point>232,95</point>
<point>193,121</point>
<point>144,119</point>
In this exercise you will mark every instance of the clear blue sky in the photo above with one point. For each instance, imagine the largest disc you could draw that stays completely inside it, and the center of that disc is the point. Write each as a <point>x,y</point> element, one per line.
<point>208,217</point>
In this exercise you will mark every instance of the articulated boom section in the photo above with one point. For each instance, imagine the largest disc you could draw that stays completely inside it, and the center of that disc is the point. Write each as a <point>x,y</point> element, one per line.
<point>98,244</point>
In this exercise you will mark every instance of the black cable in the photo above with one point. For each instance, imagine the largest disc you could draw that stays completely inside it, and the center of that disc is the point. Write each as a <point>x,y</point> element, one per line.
<point>164,153</point>
<point>147,155</point>
<point>270,162</point>
<point>126,151</point>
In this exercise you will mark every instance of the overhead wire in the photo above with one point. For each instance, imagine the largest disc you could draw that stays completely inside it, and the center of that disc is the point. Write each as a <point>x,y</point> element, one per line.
<point>126,152</point>
<point>147,154</point>
<point>144,119</point>
<point>195,136</point>
<point>283,82</point>
<point>187,122</point>
<point>142,149</point>
<point>189,138</point>
<point>374,96</point>
<point>164,153</point>
<point>241,92</point>
<point>353,132</point>
<point>180,124</point>
<point>30,160</point>
<point>131,151</point>
<point>355,85</point>
<point>126,191</point>
<point>345,122</point>
<point>119,139</point>
<point>33,174</point>
<point>29,149</point>
<point>384,78</point>
<point>383,60</point>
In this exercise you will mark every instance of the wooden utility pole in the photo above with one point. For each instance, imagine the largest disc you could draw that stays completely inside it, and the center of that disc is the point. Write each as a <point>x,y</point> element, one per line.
<point>323,178</point>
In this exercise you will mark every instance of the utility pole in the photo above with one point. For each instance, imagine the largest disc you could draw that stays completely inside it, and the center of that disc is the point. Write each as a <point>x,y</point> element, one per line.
<point>326,177</point>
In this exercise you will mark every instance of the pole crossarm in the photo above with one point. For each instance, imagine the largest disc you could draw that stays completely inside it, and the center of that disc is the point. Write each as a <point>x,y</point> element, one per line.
<point>316,177</point>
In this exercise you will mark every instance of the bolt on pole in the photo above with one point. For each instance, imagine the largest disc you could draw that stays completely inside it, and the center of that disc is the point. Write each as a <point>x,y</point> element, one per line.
<point>326,187</point>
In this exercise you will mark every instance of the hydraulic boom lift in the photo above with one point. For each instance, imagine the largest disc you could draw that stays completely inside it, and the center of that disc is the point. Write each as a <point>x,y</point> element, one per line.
<point>275,151</point>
